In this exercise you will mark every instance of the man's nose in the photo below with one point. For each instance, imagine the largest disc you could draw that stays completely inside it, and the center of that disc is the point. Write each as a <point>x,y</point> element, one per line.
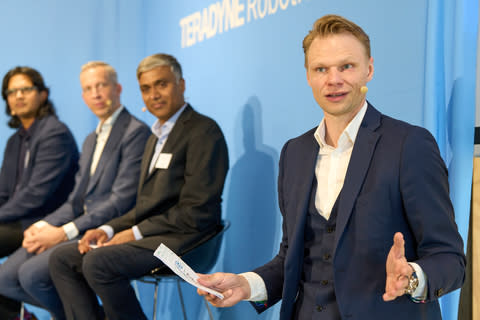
<point>334,76</point>
<point>156,93</point>
<point>19,94</point>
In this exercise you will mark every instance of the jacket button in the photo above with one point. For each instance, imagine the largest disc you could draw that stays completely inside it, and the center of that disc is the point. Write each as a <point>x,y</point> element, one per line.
<point>324,282</point>
<point>320,308</point>
<point>330,229</point>
<point>326,256</point>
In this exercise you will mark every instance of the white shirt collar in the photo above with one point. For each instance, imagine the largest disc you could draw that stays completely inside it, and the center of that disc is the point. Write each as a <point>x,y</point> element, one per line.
<point>350,132</point>
<point>159,129</point>
<point>109,121</point>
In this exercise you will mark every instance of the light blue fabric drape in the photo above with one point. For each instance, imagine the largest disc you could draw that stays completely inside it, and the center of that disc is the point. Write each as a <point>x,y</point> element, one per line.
<point>449,108</point>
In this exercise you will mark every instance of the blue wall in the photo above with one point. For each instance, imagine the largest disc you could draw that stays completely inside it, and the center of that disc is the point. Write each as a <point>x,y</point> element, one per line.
<point>250,78</point>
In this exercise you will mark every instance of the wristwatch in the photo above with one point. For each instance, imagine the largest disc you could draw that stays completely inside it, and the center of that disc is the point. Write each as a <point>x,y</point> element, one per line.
<point>412,284</point>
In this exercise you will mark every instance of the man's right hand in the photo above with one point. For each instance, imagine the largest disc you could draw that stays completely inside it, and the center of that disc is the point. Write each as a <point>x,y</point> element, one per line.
<point>28,235</point>
<point>93,236</point>
<point>234,288</point>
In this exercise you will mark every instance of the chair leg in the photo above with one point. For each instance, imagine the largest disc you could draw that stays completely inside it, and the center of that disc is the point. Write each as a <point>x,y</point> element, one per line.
<point>208,309</point>
<point>181,299</point>
<point>155,300</point>
<point>22,310</point>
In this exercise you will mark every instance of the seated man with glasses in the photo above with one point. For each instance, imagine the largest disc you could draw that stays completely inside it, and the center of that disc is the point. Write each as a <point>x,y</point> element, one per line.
<point>105,187</point>
<point>39,164</point>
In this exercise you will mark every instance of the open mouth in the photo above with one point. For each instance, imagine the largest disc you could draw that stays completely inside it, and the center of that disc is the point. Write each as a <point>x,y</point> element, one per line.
<point>335,95</point>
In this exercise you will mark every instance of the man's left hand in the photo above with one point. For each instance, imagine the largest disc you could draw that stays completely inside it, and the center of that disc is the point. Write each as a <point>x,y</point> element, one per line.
<point>45,238</point>
<point>398,270</point>
<point>121,237</point>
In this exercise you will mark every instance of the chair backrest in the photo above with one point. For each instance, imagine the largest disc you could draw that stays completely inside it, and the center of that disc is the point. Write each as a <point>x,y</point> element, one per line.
<point>203,257</point>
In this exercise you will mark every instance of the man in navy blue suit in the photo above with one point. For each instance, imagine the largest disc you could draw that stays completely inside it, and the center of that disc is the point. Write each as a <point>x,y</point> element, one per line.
<point>39,165</point>
<point>346,189</point>
<point>105,188</point>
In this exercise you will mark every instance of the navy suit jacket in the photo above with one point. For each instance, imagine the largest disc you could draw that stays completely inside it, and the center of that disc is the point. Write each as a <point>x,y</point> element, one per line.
<point>111,190</point>
<point>396,181</point>
<point>48,176</point>
<point>180,205</point>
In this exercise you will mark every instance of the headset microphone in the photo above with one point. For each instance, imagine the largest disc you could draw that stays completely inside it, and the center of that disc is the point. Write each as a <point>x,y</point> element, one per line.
<point>364,89</point>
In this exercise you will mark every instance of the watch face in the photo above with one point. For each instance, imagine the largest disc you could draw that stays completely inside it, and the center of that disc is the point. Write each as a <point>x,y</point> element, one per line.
<point>412,284</point>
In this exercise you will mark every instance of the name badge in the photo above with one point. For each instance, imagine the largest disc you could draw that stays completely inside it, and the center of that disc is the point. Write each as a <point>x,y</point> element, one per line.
<point>163,160</point>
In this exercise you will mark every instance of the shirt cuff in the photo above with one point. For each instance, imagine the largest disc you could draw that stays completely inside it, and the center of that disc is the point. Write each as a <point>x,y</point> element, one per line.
<point>70,230</point>
<point>258,291</point>
<point>40,224</point>
<point>136,233</point>
<point>108,230</point>
<point>420,294</point>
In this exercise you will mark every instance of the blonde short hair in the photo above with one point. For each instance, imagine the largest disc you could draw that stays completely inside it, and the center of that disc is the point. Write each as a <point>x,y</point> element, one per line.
<point>333,24</point>
<point>111,73</point>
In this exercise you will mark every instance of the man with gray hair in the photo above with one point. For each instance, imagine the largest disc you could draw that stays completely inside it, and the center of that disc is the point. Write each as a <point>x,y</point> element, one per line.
<point>178,203</point>
<point>105,187</point>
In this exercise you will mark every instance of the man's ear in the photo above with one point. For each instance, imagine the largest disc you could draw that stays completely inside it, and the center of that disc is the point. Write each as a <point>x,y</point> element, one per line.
<point>370,69</point>
<point>181,82</point>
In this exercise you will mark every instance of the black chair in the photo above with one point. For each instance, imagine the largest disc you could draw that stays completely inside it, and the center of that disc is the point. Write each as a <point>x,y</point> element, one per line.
<point>201,259</point>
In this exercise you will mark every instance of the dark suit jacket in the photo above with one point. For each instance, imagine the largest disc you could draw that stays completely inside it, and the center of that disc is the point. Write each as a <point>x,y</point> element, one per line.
<point>112,189</point>
<point>48,177</point>
<point>181,205</point>
<point>395,181</point>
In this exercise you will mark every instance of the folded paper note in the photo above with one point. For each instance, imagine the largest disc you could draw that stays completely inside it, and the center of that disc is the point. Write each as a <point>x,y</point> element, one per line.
<point>177,265</point>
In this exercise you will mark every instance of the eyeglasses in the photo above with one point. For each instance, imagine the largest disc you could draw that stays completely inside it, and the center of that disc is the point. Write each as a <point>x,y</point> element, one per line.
<point>13,92</point>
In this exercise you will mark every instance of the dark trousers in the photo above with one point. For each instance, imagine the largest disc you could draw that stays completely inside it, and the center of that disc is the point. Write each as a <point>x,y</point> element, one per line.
<point>11,237</point>
<point>106,272</point>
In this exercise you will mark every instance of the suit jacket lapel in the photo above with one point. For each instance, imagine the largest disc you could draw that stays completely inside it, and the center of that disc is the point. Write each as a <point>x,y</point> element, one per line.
<point>303,190</point>
<point>114,138</point>
<point>175,134</point>
<point>294,260</point>
<point>177,130</point>
<point>85,163</point>
<point>360,159</point>
<point>40,127</point>
<point>147,158</point>
<point>13,161</point>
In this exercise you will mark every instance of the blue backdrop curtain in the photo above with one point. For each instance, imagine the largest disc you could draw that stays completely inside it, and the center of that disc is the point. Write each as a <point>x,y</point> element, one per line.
<point>252,81</point>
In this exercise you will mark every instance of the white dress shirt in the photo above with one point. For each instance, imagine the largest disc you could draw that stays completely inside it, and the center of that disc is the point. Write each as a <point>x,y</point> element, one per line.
<point>103,132</point>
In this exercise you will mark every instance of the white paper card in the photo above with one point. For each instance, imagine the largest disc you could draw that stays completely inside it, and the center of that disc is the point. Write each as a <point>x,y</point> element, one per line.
<point>177,265</point>
<point>163,160</point>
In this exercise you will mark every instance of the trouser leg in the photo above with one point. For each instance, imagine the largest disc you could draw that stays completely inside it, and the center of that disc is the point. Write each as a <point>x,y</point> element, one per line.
<point>79,300</point>
<point>34,277</point>
<point>11,290</point>
<point>109,271</point>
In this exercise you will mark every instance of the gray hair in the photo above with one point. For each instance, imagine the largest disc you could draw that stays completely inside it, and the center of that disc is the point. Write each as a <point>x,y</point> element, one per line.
<point>160,60</point>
